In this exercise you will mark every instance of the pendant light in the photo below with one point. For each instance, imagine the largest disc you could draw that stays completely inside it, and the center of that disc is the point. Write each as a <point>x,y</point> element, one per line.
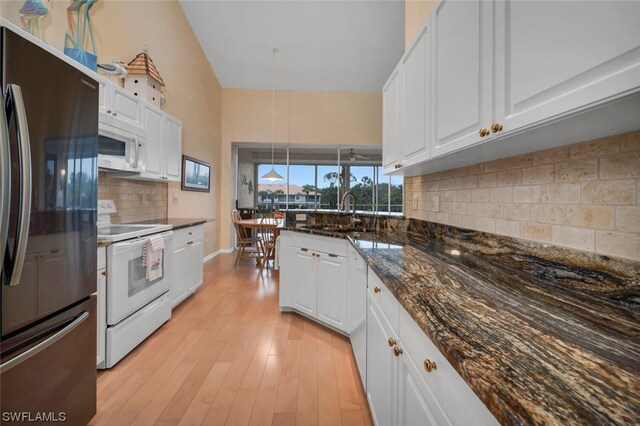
<point>273,176</point>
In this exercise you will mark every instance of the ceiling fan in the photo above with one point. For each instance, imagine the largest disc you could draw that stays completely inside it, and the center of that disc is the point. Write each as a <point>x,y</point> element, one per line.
<point>353,156</point>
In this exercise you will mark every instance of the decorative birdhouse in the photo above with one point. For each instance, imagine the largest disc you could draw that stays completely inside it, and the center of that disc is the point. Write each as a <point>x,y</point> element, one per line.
<point>143,79</point>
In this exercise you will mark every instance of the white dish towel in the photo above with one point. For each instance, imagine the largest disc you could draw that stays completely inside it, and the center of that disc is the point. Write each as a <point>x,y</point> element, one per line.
<point>152,256</point>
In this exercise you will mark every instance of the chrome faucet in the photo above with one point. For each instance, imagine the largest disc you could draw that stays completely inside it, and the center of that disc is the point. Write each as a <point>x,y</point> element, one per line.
<point>343,206</point>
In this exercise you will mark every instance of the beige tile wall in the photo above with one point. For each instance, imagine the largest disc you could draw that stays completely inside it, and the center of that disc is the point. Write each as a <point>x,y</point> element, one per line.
<point>135,200</point>
<point>584,196</point>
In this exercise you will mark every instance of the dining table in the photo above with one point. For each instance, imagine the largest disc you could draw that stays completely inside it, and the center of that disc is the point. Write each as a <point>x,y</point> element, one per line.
<point>252,224</point>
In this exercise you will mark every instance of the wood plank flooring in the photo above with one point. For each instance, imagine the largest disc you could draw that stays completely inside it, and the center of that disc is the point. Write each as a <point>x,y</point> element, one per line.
<point>229,357</point>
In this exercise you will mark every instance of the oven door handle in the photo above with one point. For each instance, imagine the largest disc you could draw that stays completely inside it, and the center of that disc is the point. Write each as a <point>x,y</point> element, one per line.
<point>44,344</point>
<point>14,98</point>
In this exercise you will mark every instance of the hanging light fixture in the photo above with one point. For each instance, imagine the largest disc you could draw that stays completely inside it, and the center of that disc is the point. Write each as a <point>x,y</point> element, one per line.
<point>273,175</point>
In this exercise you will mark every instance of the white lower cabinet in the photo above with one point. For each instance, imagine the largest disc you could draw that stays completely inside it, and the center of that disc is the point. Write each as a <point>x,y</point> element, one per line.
<point>409,382</point>
<point>332,290</point>
<point>303,273</point>
<point>381,366</point>
<point>392,352</point>
<point>357,310</point>
<point>416,403</point>
<point>313,278</point>
<point>186,261</point>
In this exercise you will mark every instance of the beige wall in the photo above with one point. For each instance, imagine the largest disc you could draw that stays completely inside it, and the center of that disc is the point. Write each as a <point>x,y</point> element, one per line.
<point>193,93</point>
<point>585,196</point>
<point>301,118</point>
<point>415,13</point>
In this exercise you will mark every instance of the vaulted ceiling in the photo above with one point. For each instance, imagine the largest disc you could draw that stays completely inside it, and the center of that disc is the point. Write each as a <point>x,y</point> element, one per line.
<point>328,46</point>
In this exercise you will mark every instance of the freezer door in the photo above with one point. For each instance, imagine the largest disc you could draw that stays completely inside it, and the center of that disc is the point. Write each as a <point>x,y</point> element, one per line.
<point>52,125</point>
<point>50,370</point>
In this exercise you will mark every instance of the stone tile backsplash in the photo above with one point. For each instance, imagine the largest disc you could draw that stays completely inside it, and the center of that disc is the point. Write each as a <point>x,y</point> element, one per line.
<point>584,196</point>
<point>135,200</point>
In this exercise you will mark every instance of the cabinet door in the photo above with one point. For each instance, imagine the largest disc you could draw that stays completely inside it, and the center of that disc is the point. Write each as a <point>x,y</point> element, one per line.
<point>303,276</point>
<point>155,147</point>
<point>555,57</point>
<point>331,276</point>
<point>381,368</point>
<point>104,96</point>
<point>417,405</point>
<point>287,290</point>
<point>126,107</point>
<point>179,274</point>
<point>357,310</point>
<point>101,316</point>
<point>415,142</point>
<point>173,153</point>
<point>391,121</point>
<point>462,53</point>
<point>195,268</point>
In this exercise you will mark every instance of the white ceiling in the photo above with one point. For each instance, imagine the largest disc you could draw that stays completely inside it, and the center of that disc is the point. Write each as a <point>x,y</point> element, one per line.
<point>327,46</point>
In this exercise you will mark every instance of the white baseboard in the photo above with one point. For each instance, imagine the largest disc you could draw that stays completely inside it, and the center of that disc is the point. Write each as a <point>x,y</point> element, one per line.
<point>215,253</point>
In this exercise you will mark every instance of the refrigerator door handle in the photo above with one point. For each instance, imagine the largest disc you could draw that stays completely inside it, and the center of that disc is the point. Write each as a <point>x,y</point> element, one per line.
<point>14,93</point>
<point>5,179</point>
<point>44,344</point>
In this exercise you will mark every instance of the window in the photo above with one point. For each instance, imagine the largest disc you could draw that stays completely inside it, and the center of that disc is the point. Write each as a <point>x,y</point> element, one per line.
<point>317,178</point>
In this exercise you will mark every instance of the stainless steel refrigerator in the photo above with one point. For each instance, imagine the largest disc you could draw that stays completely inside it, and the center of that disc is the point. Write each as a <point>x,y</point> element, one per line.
<point>48,154</point>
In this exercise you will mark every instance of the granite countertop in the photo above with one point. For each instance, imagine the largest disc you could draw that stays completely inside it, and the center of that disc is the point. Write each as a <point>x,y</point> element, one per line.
<point>537,341</point>
<point>177,223</point>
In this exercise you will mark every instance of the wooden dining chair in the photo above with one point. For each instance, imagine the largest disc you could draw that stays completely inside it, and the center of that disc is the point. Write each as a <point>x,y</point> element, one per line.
<point>245,240</point>
<point>268,234</point>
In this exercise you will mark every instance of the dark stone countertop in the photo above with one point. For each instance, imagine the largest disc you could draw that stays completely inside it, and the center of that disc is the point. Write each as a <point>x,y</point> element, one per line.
<point>538,341</point>
<point>177,223</point>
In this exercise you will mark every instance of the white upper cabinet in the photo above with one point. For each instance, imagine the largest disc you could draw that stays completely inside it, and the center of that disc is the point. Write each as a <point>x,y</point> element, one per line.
<point>153,119</point>
<point>462,52</point>
<point>391,131</point>
<point>103,96</point>
<point>173,149</point>
<point>556,57</point>
<point>415,140</point>
<point>125,106</point>
<point>163,149</point>
<point>539,74</point>
<point>162,132</point>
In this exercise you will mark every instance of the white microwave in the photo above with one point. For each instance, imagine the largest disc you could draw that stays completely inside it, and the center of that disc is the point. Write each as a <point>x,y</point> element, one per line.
<point>120,149</point>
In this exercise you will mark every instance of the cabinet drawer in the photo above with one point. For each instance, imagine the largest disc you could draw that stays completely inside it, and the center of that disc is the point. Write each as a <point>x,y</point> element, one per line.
<point>102,258</point>
<point>187,234</point>
<point>387,301</point>
<point>451,391</point>
<point>318,243</point>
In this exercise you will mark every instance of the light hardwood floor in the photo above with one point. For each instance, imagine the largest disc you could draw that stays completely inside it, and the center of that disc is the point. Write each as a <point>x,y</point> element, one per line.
<point>228,356</point>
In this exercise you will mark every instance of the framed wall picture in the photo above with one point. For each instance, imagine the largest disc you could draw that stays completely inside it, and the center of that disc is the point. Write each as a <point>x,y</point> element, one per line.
<point>196,175</point>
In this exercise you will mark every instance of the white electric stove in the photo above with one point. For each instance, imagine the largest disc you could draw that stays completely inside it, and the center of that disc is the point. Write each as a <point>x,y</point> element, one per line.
<point>135,305</point>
